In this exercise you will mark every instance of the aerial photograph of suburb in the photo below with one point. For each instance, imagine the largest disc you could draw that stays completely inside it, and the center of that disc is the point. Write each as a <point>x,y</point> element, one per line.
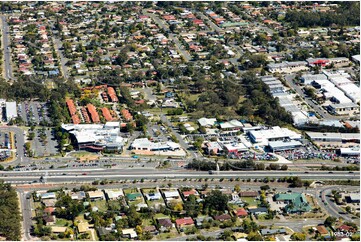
<point>180,120</point>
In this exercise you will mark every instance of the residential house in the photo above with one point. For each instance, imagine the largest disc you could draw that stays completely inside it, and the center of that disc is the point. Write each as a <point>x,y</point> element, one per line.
<point>104,231</point>
<point>134,196</point>
<point>49,202</point>
<point>58,229</point>
<point>78,195</point>
<point>165,224</point>
<point>186,194</point>
<point>49,219</point>
<point>346,229</point>
<point>83,227</point>
<point>49,210</point>
<point>114,194</point>
<point>151,229</point>
<point>182,222</point>
<point>96,195</point>
<point>321,229</point>
<point>47,195</point>
<point>129,233</point>
<point>258,211</point>
<point>153,196</point>
<point>222,217</point>
<point>241,213</point>
<point>171,195</point>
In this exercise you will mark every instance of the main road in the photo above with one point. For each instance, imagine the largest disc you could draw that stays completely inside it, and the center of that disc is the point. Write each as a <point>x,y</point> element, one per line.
<point>88,175</point>
<point>6,46</point>
<point>20,141</point>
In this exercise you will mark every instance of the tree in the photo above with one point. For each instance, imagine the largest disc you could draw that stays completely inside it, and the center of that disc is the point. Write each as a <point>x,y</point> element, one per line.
<point>330,221</point>
<point>237,188</point>
<point>216,200</point>
<point>254,236</point>
<point>9,215</point>
<point>298,236</point>
<point>191,206</point>
<point>284,167</point>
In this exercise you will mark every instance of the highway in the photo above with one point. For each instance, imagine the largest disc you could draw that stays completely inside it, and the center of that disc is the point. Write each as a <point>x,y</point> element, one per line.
<point>86,175</point>
<point>7,53</point>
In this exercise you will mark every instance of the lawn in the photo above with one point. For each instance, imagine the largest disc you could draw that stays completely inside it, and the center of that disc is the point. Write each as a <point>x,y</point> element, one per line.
<point>130,190</point>
<point>63,222</point>
<point>149,190</point>
<point>135,202</point>
<point>160,215</point>
<point>114,203</point>
<point>154,203</point>
<point>250,200</point>
<point>147,222</point>
<point>164,236</point>
<point>101,205</point>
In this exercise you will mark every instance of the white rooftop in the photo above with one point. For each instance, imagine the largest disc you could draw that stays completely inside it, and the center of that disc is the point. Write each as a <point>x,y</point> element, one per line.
<point>207,121</point>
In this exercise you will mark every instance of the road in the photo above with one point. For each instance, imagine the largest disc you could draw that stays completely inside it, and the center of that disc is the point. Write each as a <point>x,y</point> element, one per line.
<point>173,37</point>
<point>331,207</point>
<point>91,174</point>
<point>182,143</point>
<point>7,54</point>
<point>20,141</point>
<point>63,61</point>
<point>26,214</point>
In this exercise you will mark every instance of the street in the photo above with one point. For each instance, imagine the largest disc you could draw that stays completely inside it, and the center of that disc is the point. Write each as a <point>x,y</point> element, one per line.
<point>6,47</point>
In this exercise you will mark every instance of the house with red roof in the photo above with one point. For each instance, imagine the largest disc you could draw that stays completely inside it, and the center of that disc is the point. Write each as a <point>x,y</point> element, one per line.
<point>72,111</point>
<point>106,114</point>
<point>181,222</point>
<point>93,113</point>
<point>126,115</point>
<point>112,95</point>
<point>186,194</point>
<point>241,213</point>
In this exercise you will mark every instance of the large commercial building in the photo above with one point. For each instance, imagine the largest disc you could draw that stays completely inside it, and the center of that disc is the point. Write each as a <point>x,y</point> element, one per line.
<point>307,79</point>
<point>344,108</point>
<point>11,110</point>
<point>146,145</point>
<point>284,145</point>
<point>334,137</point>
<point>287,67</point>
<point>264,136</point>
<point>96,137</point>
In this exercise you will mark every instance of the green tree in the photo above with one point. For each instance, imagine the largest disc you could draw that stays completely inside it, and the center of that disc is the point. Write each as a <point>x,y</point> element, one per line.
<point>216,201</point>
<point>254,236</point>
<point>298,236</point>
<point>330,221</point>
<point>191,206</point>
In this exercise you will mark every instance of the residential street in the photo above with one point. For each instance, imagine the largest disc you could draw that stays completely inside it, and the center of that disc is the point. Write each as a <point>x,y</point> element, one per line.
<point>6,47</point>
